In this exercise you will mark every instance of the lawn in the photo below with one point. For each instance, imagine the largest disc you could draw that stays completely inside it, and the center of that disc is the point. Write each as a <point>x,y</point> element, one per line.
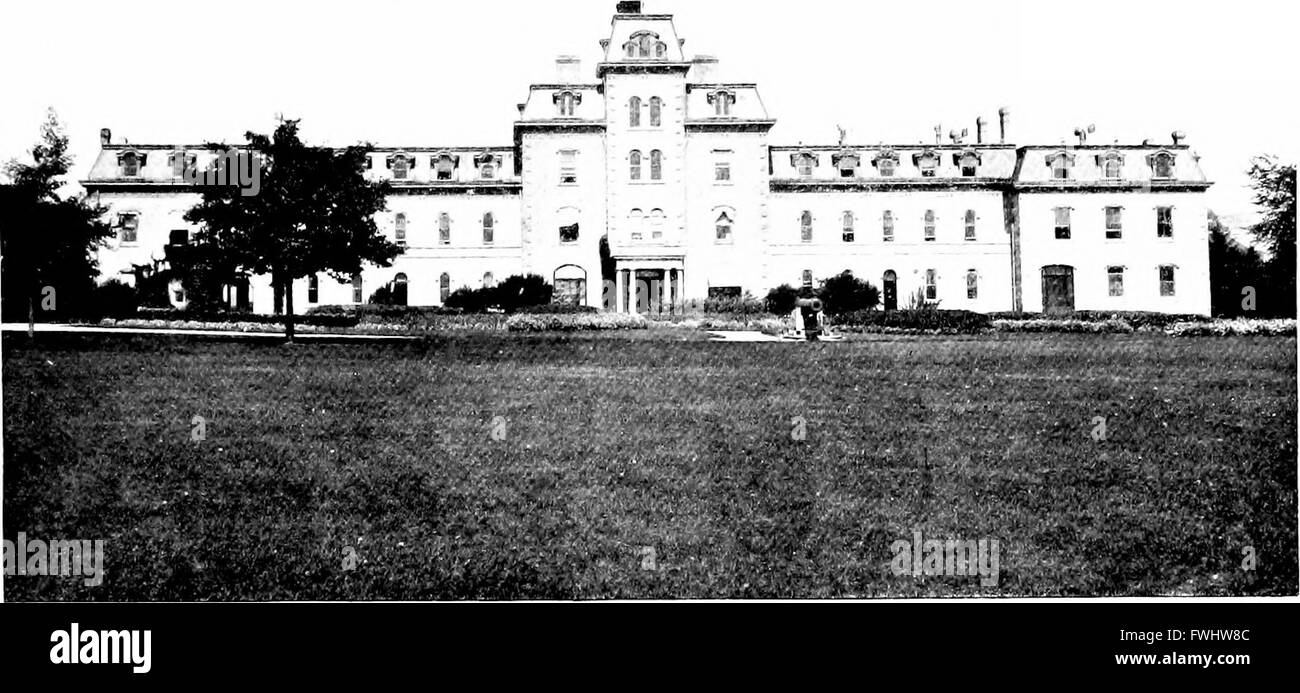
<point>502,466</point>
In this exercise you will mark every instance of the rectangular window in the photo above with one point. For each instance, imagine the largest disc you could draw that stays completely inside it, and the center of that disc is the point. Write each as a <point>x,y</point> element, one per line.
<point>970,224</point>
<point>805,227</point>
<point>568,167</point>
<point>444,229</point>
<point>1114,222</point>
<point>972,284</point>
<point>313,289</point>
<point>888,227</point>
<point>931,285</point>
<point>1164,222</point>
<point>722,171</point>
<point>357,296</point>
<point>489,228</point>
<point>1166,280</point>
<point>929,225</point>
<point>130,224</point>
<point>1115,280</point>
<point>1063,222</point>
<point>848,227</point>
<point>807,278</point>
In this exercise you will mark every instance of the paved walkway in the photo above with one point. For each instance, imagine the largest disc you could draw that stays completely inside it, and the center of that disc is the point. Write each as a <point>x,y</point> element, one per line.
<point>739,336</point>
<point>304,336</point>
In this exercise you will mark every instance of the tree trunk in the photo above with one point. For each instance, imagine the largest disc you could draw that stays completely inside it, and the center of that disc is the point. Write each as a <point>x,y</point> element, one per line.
<point>288,310</point>
<point>31,317</point>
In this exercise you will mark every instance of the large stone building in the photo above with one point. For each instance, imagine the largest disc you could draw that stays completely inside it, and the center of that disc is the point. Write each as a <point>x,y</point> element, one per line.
<point>675,170</point>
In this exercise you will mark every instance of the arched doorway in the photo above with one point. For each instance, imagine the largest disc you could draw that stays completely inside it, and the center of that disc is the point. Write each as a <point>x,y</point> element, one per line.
<point>1058,289</point>
<point>399,289</point>
<point>570,282</point>
<point>891,290</point>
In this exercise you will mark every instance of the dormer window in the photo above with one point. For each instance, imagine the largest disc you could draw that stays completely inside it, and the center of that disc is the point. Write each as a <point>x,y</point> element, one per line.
<point>722,101</point>
<point>886,162</point>
<point>804,163</point>
<point>927,162</point>
<point>847,163</point>
<point>968,161</point>
<point>566,101</point>
<point>130,163</point>
<point>1111,164</point>
<point>182,163</point>
<point>645,44</point>
<point>1162,164</point>
<point>444,165</point>
<point>1060,163</point>
<point>486,163</point>
<point>400,165</point>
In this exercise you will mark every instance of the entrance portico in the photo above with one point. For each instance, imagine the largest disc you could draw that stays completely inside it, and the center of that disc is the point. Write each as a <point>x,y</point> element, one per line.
<point>648,285</point>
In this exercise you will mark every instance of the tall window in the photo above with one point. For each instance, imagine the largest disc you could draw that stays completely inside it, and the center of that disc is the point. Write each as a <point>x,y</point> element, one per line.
<point>130,225</point>
<point>847,234</point>
<point>931,285</point>
<point>970,224</point>
<point>887,227</point>
<point>634,112</point>
<point>722,101</point>
<point>444,287</point>
<point>1062,222</point>
<point>1114,222</point>
<point>656,111</point>
<point>723,228</point>
<point>313,289</point>
<point>357,295</point>
<point>1162,165</point>
<point>661,49</point>
<point>444,229</point>
<point>565,101</point>
<point>634,165</point>
<point>805,226</point>
<point>400,285</point>
<point>568,167</point>
<point>1166,280</point>
<point>1115,280</point>
<point>1164,222</point>
<point>489,228</point>
<point>656,224</point>
<point>972,284</point>
<point>635,224</point>
<point>807,279</point>
<point>400,225</point>
<point>656,164</point>
<point>929,225</point>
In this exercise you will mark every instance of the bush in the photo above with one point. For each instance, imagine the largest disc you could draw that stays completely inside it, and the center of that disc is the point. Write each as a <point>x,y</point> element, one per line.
<point>174,314</point>
<point>1111,326</point>
<point>845,293</point>
<point>518,292</point>
<point>113,299</point>
<point>735,305</point>
<point>380,312</point>
<point>781,300</point>
<point>1139,320</point>
<point>1223,328</point>
<point>472,300</point>
<point>926,319</point>
<point>560,309</point>
<point>525,322</point>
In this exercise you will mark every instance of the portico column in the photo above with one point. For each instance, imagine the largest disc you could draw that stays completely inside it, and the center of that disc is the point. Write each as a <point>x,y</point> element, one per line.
<point>619,286</point>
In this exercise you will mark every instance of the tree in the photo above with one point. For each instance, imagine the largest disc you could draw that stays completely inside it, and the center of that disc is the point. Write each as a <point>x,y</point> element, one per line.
<point>47,243</point>
<point>1235,271</point>
<point>781,300</point>
<point>1274,185</point>
<point>313,213</point>
<point>845,293</point>
<point>517,292</point>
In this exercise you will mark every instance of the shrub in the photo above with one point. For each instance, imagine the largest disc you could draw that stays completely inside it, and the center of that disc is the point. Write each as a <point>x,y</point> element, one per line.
<point>781,300</point>
<point>113,299</point>
<point>734,305</point>
<point>926,319</point>
<point>1112,326</point>
<point>845,293</point>
<point>1139,320</point>
<point>517,292</point>
<point>1223,328</point>
<point>560,309</point>
<point>177,315</point>
<point>526,322</point>
<point>472,300</point>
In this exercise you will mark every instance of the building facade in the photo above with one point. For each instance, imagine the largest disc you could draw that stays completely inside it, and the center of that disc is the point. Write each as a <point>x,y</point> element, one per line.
<point>663,173</point>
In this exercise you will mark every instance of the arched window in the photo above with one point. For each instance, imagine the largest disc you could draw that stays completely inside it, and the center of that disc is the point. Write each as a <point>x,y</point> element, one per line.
<point>570,282</point>
<point>1162,165</point>
<point>634,165</point>
<point>656,111</point>
<point>656,164</point>
<point>723,228</point>
<point>444,229</point>
<point>566,101</point>
<point>489,228</point>
<point>887,226</point>
<point>1060,163</point>
<point>805,226</point>
<point>804,163</point>
<point>487,165</point>
<point>130,163</point>
<point>928,163</point>
<point>635,222</point>
<point>1112,165</point>
<point>929,224</point>
<point>444,165</point>
<point>645,43</point>
<point>629,49</point>
<point>969,163</point>
<point>848,227</point>
<point>722,101</point>
<point>488,280</point>
<point>400,225</point>
<point>634,112</point>
<point>400,166</point>
<point>970,224</point>
<point>656,224</point>
<point>399,289</point>
<point>661,49</point>
<point>444,287</point>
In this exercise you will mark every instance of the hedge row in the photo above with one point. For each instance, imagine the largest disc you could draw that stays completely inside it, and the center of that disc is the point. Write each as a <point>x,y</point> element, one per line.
<point>944,321</point>
<point>176,315</point>
<point>1224,328</point>
<point>1114,326</point>
<point>525,322</point>
<point>1136,319</point>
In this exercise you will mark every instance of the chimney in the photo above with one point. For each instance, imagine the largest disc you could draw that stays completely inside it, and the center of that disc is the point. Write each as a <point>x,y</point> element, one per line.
<point>1003,118</point>
<point>979,129</point>
<point>704,69</point>
<point>1178,136</point>
<point>568,69</point>
<point>105,137</point>
<point>628,7</point>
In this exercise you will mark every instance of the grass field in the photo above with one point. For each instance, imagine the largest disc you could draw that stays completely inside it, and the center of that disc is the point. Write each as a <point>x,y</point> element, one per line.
<point>394,455</point>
